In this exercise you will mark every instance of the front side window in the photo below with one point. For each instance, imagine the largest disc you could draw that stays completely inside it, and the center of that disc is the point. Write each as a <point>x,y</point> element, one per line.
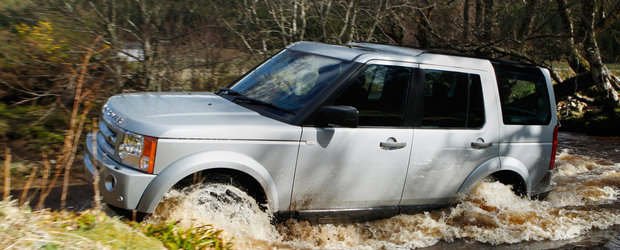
<point>452,100</point>
<point>379,93</point>
<point>523,95</point>
<point>290,79</point>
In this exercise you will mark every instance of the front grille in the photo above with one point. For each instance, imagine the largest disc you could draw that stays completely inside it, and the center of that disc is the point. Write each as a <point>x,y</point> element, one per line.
<point>112,138</point>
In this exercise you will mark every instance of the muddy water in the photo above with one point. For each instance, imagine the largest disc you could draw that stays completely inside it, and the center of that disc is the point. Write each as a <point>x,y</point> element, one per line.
<point>583,211</point>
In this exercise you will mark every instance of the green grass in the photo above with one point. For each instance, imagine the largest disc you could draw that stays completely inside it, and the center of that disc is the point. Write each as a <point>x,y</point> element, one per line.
<point>174,237</point>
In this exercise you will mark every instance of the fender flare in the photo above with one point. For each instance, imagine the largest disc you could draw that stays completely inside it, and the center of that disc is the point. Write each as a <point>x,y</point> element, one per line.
<point>514,165</point>
<point>492,166</point>
<point>196,162</point>
<point>483,170</point>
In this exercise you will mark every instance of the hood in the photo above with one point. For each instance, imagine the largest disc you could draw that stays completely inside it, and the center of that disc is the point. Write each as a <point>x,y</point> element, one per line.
<point>193,115</point>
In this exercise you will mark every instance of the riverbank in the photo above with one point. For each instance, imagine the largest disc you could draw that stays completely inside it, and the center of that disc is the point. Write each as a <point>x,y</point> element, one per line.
<point>591,121</point>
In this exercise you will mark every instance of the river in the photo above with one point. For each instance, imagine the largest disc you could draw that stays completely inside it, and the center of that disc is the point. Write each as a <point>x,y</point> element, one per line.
<point>582,211</point>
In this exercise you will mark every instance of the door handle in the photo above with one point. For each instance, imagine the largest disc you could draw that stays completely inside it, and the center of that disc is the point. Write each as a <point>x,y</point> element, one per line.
<point>480,144</point>
<point>391,144</point>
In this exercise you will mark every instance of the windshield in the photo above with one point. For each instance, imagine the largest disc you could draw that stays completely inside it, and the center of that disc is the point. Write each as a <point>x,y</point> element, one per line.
<point>290,79</point>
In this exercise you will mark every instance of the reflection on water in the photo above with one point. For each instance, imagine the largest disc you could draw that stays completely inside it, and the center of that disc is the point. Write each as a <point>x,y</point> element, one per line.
<point>583,211</point>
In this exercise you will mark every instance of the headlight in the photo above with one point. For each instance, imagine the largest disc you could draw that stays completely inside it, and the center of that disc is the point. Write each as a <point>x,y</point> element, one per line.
<point>138,151</point>
<point>132,146</point>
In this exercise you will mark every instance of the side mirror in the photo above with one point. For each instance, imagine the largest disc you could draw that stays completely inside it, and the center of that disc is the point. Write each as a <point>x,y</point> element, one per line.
<point>343,116</point>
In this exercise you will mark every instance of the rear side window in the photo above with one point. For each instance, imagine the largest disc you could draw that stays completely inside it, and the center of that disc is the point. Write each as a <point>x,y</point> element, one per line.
<point>523,95</point>
<point>452,100</point>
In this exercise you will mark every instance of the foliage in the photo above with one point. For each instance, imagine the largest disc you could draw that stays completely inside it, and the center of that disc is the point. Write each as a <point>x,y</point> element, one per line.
<point>174,237</point>
<point>42,36</point>
<point>40,125</point>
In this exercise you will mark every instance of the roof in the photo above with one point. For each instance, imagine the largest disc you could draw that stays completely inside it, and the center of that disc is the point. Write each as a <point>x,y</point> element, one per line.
<point>363,52</point>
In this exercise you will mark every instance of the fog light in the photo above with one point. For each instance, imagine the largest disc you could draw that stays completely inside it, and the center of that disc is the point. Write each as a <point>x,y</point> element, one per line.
<point>110,182</point>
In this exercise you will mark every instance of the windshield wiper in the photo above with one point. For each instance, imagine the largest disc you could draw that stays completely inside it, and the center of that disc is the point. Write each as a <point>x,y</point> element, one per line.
<point>241,97</point>
<point>229,91</point>
<point>261,103</point>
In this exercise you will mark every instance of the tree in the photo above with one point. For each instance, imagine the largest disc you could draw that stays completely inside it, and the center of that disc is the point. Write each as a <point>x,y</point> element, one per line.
<point>600,74</point>
<point>528,31</point>
<point>159,30</point>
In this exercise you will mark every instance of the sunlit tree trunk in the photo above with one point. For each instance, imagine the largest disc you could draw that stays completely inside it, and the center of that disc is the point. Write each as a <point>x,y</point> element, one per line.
<point>577,63</point>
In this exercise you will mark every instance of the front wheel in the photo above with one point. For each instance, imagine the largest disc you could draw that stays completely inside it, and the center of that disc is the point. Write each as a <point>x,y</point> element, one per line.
<point>224,206</point>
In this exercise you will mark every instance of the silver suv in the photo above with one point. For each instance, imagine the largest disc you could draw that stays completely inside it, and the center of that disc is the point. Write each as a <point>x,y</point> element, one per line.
<point>320,131</point>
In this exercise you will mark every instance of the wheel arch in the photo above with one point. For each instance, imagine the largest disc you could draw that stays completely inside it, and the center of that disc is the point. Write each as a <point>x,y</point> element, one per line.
<point>506,170</point>
<point>479,173</point>
<point>206,162</point>
<point>514,172</point>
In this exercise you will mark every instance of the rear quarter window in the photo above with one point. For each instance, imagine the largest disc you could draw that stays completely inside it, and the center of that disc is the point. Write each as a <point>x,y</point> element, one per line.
<point>523,95</point>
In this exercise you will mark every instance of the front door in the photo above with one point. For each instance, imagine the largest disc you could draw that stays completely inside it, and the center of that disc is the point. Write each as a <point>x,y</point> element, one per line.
<point>365,167</point>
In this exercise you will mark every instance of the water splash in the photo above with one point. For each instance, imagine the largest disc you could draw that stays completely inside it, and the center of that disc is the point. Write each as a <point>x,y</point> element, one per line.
<point>581,181</point>
<point>585,198</point>
<point>491,214</point>
<point>223,206</point>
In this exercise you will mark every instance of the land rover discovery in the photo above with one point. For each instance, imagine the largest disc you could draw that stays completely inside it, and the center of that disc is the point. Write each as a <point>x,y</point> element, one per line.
<point>322,130</point>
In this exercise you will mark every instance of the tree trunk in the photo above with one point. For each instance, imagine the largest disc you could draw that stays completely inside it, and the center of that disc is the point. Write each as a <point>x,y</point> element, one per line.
<point>489,20</point>
<point>600,74</point>
<point>479,14</point>
<point>528,22</point>
<point>148,64</point>
<point>576,62</point>
<point>112,29</point>
<point>466,21</point>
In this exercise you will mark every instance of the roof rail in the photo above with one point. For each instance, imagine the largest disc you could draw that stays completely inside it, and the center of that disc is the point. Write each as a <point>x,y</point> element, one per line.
<point>407,50</point>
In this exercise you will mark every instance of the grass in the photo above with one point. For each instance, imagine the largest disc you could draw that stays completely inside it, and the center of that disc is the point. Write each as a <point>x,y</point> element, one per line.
<point>174,237</point>
<point>91,229</point>
<point>22,228</point>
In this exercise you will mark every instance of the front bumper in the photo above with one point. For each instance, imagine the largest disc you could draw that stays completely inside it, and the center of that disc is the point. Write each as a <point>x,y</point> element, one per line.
<point>119,186</point>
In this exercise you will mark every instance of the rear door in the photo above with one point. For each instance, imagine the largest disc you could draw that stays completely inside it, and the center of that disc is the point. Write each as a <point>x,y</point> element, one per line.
<point>528,120</point>
<point>357,168</point>
<point>456,130</point>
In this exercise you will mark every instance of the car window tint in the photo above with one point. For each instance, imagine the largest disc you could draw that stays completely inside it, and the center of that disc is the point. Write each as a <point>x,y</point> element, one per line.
<point>379,94</point>
<point>452,100</point>
<point>523,95</point>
